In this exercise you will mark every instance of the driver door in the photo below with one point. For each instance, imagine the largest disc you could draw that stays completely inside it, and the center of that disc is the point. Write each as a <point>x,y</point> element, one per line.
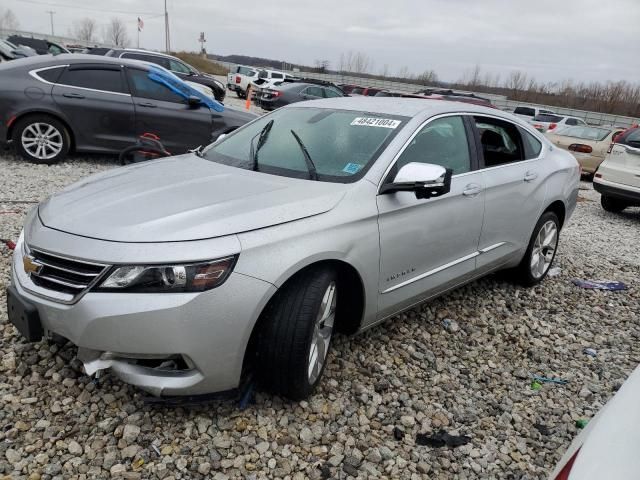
<point>166,114</point>
<point>429,245</point>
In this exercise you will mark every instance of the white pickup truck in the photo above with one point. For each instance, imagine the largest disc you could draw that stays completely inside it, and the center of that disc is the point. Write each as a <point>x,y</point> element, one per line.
<point>239,79</point>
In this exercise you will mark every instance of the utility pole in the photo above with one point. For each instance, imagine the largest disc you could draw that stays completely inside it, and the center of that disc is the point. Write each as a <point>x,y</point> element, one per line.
<point>51,12</point>
<point>167,41</point>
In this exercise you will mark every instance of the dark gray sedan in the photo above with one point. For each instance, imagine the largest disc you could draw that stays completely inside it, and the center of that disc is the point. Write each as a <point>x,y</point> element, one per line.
<point>286,93</point>
<point>50,105</point>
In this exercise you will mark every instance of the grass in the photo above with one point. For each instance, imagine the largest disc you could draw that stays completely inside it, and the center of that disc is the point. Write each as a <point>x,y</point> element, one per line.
<point>202,64</point>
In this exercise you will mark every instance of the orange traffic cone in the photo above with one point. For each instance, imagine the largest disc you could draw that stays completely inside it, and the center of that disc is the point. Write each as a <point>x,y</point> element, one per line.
<point>247,104</point>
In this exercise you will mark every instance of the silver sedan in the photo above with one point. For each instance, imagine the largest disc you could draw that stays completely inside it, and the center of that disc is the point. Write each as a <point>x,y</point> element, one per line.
<point>183,274</point>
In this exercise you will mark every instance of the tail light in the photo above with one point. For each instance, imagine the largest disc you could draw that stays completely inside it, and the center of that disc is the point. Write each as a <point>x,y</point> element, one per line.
<point>552,126</point>
<point>580,148</point>
<point>238,80</point>
<point>566,470</point>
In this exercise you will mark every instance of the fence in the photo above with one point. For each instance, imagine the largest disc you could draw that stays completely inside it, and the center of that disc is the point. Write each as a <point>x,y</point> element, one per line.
<point>500,101</point>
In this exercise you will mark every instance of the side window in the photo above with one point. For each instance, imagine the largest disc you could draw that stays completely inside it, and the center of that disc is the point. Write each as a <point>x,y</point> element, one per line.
<point>501,142</point>
<point>572,121</point>
<point>144,87</point>
<point>276,75</point>
<point>93,78</point>
<point>441,142</point>
<point>263,74</point>
<point>330,93</point>
<point>532,146</point>
<point>56,50</point>
<point>313,92</point>
<point>179,67</point>
<point>51,74</point>
<point>147,58</point>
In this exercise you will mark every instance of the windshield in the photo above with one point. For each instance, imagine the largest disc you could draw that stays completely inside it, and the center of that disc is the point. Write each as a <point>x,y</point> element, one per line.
<point>586,133</point>
<point>342,144</point>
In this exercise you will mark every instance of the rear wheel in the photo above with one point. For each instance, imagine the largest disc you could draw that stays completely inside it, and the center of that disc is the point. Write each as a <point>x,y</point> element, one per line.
<point>298,327</point>
<point>41,139</point>
<point>612,204</point>
<point>541,251</point>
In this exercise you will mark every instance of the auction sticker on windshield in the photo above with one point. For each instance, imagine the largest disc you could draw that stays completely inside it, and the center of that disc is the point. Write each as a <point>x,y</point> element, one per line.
<point>376,122</point>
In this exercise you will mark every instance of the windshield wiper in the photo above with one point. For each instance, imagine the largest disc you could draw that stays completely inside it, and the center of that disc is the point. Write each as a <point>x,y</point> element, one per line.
<point>263,135</point>
<point>313,174</point>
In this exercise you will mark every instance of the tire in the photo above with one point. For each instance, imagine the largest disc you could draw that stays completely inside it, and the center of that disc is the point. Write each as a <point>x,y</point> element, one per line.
<point>240,93</point>
<point>297,329</point>
<point>41,139</point>
<point>544,247</point>
<point>613,205</point>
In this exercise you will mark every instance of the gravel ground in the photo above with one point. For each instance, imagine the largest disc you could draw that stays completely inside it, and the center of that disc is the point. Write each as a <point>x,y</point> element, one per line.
<point>411,375</point>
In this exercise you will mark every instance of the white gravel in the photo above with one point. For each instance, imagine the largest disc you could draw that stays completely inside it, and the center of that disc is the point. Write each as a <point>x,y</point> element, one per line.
<point>410,375</point>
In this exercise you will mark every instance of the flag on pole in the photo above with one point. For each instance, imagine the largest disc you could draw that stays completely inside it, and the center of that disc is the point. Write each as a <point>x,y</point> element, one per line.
<point>140,24</point>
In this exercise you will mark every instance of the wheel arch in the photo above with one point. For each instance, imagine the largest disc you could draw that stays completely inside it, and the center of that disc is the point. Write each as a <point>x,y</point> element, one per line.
<point>558,207</point>
<point>349,309</point>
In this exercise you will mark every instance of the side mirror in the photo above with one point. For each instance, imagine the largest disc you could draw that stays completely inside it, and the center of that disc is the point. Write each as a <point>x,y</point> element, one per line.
<point>193,101</point>
<point>424,179</point>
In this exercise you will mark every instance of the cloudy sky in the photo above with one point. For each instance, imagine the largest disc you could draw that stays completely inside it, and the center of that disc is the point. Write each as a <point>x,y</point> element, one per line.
<point>551,40</point>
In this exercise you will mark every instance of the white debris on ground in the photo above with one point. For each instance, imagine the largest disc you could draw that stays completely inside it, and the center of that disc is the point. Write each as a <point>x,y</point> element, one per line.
<point>408,376</point>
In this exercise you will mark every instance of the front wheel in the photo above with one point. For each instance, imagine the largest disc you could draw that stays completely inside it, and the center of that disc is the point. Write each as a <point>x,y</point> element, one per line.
<point>612,204</point>
<point>541,251</point>
<point>298,326</point>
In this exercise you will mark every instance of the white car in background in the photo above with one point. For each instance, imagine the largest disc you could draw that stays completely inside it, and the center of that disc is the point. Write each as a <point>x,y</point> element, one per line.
<point>268,79</point>
<point>239,79</point>
<point>608,447</point>
<point>618,177</point>
<point>546,122</point>
<point>528,113</point>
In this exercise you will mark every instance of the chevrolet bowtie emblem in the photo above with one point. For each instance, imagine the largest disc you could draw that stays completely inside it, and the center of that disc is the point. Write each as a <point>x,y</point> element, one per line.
<point>30,265</point>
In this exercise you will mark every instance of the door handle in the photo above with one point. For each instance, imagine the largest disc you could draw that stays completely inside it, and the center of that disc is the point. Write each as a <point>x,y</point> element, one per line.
<point>472,190</point>
<point>530,176</point>
<point>73,95</point>
<point>147,104</point>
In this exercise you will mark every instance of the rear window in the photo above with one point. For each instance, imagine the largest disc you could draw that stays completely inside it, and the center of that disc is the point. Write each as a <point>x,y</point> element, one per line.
<point>630,137</point>
<point>586,133</point>
<point>357,91</point>
<point>543,117</point>
<point>529,112</point>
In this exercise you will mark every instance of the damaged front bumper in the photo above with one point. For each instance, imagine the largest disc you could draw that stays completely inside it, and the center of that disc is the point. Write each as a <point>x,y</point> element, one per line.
<point>166,344</point>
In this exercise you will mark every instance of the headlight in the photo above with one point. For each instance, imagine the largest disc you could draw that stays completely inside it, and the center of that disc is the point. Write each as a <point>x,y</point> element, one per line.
<point>195,277</point>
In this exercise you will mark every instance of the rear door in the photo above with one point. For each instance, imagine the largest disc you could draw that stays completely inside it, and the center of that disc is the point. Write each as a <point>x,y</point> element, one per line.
<point>514,171</point>
<point>161,111</point>
<point>97,104</point>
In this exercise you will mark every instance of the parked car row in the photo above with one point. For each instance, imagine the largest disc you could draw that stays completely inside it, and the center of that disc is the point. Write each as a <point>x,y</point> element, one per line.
<point>50,105</point>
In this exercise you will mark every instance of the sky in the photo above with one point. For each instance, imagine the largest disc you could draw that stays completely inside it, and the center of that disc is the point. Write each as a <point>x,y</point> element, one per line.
<point>551,40</point>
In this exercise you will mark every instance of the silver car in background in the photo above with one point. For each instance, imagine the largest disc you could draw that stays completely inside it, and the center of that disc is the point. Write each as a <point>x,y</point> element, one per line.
<point>183,274</point>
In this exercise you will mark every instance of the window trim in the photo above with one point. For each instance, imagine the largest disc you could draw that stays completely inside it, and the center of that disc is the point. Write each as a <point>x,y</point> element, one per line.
<point>80,66</point>
<point>473,154</point>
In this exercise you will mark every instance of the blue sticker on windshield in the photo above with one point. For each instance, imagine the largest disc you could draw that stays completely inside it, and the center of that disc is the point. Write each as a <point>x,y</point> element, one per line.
<point>352,168</point>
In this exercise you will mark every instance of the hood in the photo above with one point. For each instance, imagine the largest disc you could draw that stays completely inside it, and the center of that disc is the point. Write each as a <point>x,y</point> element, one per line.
<point>183,198</point>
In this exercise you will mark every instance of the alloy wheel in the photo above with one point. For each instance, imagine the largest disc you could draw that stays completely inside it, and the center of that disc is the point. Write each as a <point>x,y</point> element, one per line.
<point>544,249</point>
<point>322,331</point>
<point>42,141</point>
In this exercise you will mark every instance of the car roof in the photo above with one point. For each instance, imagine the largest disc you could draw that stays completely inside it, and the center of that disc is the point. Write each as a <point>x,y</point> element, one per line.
<point>407,107</point>
<point>49,60</point>
<point>147,52</point>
